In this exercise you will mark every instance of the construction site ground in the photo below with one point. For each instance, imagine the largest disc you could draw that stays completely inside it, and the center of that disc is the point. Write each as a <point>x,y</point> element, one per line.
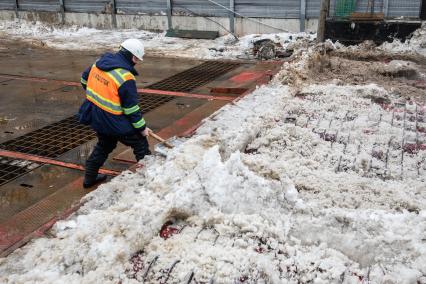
<point>315,177</point>
<point>41,93</point>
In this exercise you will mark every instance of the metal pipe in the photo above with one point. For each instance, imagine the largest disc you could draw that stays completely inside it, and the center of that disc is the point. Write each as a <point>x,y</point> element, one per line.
<point>232,16</point>
<point>16,8</point>
<point>33,158</point>
<point>114,13</point>
<point>386,7</point>
<point>302,15</point>
<point>62,10</point>
<point>325,5</point>
<point>169,15</point>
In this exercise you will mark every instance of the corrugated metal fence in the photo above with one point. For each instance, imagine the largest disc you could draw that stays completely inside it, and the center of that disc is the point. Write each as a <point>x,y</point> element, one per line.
<point>390,8</point>
<point>250,8</point>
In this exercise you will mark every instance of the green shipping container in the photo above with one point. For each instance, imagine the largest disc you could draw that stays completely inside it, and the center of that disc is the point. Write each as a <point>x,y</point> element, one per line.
<point>344,8</point>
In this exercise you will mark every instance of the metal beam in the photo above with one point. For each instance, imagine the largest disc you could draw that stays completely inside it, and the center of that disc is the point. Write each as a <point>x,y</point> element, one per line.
<point>62,10</point>
<point>187,95</point>
<point>325,5</point>
<point>141,90</point>
<point>386,8</point>
<point>43,160</point>
<point>302,15</point>
<point>114,13</point>
<point>16,8</point>
<point>169,14</point>
<point>232,16</point>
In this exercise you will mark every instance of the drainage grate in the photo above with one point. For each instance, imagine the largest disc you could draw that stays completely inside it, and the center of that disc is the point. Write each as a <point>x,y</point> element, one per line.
<point>56,139</point>
<point>53,140</point>
<point>194,77</point>
<point>11,169</point>
<point>148,102</point>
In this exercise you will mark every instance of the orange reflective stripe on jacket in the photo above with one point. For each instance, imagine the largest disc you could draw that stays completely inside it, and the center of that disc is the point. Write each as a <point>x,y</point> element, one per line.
<point>102,88</point>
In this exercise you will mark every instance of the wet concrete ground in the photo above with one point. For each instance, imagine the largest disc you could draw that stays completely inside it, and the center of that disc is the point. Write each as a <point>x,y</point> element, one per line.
<point>32,200</point>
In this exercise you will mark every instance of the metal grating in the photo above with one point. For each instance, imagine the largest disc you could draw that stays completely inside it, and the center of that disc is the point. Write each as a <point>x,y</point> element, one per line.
<point>56,139</point>
<point>11,169</point>
<point>194,77</point>
<point>148,102</point>
<point>53,140</point>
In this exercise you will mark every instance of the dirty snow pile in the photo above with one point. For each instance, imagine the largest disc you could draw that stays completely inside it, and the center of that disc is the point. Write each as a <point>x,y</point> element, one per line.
<point>415,45</point>
<point>260,194</point>
<point>156,44</point>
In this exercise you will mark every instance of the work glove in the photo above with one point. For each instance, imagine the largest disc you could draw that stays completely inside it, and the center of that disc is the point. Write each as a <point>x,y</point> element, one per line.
<point>146,132</point>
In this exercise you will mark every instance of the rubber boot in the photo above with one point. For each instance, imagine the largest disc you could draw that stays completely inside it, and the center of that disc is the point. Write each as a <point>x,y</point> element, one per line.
<point>90,181</point>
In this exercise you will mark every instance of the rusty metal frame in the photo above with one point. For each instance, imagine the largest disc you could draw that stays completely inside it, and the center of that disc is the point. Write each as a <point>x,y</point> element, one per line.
<point>38,159</point>
<point>140,90</point>
<point>186,95</point>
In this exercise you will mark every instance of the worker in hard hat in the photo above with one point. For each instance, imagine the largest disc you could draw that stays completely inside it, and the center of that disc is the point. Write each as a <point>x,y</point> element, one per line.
<point>111,107</point>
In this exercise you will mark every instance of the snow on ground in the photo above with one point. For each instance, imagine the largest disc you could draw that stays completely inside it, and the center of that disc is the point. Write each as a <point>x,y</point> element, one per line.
<point>76,38</point>
<point>298,182</point>
<point>415,45</point>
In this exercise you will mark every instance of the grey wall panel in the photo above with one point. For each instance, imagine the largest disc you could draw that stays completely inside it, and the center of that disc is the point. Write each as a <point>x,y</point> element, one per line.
<point>141,6</point>
<point>39,5</point>
<point>396,8</point>
<point>313,9</point>
<point>200,7</point>
<point>7,4</point>
<point>405,8</point>
<point>85,5</point>
<point>249,8</point>
<point>364,6</point>
<point>268,8</point>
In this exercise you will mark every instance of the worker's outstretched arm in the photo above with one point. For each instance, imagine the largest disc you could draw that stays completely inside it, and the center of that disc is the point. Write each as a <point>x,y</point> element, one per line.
<point>85,77</point>
<point>130,103</point>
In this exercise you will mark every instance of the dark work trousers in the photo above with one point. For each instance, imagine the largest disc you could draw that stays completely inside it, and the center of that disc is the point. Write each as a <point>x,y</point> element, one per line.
<point>106,144</point>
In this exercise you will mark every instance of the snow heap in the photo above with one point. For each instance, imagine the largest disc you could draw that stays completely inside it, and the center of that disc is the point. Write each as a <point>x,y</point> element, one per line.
<point>255,199</point>
<point>156,44</point>
<point>416,44</point>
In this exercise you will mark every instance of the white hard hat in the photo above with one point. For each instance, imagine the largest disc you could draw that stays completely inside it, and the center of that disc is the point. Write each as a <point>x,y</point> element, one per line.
<point>135,47</point>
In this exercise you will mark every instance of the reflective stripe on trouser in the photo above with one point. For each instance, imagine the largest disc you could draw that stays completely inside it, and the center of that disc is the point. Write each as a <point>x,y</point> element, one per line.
<point>106,144</point>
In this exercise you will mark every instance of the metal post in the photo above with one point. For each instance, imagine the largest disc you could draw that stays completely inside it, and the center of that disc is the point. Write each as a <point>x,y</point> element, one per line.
<point>62,10</point>
<point>302,15</point>
<point>386,8</point>
<point>325,5</point>
<point>114,13</point>
<point>169,15</point>
<point>232,16</point>
<point>423,10</point>
<point>16,8</point>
